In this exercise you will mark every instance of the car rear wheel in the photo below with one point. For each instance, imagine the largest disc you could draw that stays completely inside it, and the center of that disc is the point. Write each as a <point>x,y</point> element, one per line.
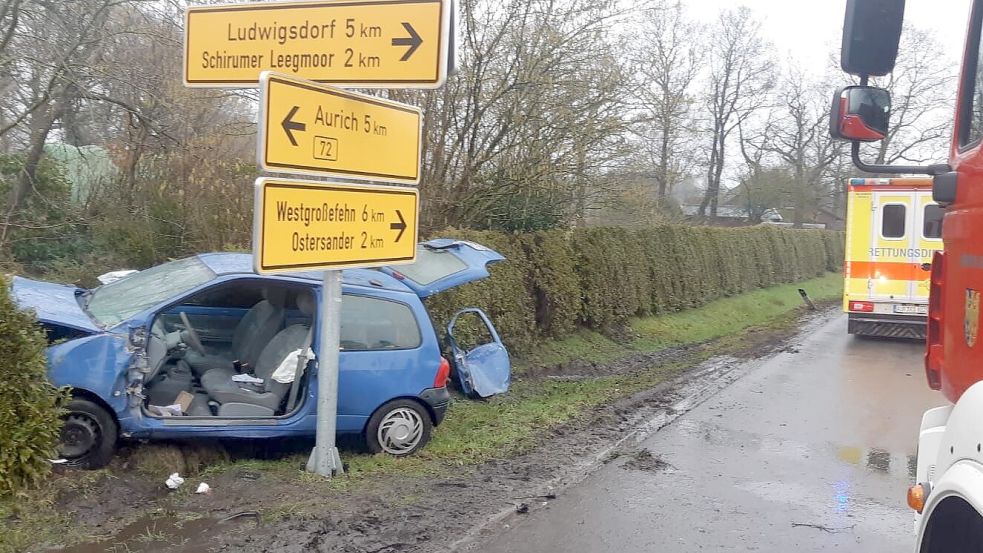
<point>88,435</point>
<point>399,428</point>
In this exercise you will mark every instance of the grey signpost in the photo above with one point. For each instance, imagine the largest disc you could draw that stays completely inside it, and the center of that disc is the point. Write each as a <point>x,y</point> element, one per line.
<point>325,459</point>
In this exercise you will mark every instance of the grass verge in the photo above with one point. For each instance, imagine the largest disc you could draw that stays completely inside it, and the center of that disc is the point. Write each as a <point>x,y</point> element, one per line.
<point>718,318</point>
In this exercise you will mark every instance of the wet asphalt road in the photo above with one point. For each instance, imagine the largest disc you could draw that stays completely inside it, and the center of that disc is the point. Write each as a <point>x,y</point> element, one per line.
<point>810,451</point>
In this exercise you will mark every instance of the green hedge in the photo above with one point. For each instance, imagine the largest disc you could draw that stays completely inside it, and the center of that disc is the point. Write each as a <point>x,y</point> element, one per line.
<point>554,282</point>
<point>29,404</point>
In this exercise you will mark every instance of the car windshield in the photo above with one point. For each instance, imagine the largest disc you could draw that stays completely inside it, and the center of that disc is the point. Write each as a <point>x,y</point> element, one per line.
<point>117,301</point>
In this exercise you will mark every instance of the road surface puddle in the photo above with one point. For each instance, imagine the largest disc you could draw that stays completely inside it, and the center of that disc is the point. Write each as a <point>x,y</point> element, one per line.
<point>901,465</point>
<point>187,532</point>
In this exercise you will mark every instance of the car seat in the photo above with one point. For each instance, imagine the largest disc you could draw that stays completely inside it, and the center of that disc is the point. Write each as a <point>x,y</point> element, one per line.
<point>242,399</point>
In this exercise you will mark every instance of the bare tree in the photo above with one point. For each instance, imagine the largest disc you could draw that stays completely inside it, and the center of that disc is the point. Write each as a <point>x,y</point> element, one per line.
<point>740,77</point>
<point>57,45</point>
<point>923,88</point>
<point>798,138</point>
<point>668,58</point>
<point>535,114</point>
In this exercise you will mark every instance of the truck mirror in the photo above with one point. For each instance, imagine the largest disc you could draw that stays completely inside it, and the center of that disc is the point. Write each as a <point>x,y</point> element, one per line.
<point>871,31</point>
<point>860,113</point>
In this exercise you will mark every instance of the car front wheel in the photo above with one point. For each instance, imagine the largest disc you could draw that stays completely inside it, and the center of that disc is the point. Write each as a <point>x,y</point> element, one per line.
<point>399,428</point>
<point>88,435</point>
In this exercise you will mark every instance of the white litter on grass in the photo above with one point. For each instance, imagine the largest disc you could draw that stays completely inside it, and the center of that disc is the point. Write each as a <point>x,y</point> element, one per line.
<point>203,488</point>
<point>174,481</point>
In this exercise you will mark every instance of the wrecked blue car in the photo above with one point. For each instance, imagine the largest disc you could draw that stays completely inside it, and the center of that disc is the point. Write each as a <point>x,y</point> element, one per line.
<point>204,347</point>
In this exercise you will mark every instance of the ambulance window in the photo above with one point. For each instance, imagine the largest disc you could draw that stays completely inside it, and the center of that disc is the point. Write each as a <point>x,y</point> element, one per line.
<point>932,221</point>
<point>893,221</point>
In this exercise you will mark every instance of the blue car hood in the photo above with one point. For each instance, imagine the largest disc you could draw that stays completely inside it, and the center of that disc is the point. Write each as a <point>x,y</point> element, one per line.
<point>53,303</point>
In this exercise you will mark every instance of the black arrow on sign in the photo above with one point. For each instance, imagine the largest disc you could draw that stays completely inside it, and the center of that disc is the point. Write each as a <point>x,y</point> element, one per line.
<point>290,125</point>
<point>413,41</point>
<point>400,226</point>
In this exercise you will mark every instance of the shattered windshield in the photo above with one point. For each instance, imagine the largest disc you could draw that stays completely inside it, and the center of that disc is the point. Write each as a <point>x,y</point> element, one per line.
<point>117,301</point>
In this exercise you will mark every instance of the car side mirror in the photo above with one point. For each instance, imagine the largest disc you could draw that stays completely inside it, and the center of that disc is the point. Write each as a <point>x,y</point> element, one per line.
<point>861,113</point>
<point>871,33</point>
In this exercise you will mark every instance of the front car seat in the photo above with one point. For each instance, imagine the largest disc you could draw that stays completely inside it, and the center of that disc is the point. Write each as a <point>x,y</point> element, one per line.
<point>260,324</point>
<point>258,400</point>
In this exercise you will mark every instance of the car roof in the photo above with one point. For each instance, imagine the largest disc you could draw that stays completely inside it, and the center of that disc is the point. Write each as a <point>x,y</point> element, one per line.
<point>222,264</point>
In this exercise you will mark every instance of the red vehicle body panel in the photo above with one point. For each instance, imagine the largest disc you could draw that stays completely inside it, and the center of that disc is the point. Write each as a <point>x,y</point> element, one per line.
<point>954,356</point>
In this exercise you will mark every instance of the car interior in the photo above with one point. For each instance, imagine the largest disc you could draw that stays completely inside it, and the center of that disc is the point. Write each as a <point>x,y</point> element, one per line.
<point>233,350</point>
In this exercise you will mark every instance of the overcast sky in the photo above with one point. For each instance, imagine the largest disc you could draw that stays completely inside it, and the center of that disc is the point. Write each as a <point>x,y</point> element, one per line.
<point>808,30</point>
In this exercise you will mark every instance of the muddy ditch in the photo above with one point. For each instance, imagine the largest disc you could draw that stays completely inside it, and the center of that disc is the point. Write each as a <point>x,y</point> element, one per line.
<point>266,511</point>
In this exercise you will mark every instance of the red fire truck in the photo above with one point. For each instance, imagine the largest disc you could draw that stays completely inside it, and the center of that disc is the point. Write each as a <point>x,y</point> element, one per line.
<point>948,492</point>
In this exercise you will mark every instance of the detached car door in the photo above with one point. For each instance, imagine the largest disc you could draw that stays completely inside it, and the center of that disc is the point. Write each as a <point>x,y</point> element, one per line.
<point>485,368</point>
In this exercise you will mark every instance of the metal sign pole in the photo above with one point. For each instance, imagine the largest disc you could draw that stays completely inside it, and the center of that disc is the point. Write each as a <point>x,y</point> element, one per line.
<point>324,459</point>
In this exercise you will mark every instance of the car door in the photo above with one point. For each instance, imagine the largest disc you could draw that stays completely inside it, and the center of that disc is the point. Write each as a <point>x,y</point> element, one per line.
<point>893,239</point>
<point>483,369</point>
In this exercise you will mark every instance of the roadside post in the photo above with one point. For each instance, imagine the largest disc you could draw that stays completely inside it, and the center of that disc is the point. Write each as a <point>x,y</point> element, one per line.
<point>306,225</point>
<point>307,127</point>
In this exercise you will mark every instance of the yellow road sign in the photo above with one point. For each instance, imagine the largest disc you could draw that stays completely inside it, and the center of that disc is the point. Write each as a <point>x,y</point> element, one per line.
<point>320,130</point>
<point>302,225</point>
<point>360,43</point>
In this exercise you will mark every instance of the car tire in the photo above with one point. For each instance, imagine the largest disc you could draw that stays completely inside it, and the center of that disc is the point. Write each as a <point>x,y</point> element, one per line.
<point>88,435</point>
<point>400,428</point>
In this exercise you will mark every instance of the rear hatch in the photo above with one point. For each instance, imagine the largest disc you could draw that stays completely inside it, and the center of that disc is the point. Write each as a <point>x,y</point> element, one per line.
<point>444,263</point>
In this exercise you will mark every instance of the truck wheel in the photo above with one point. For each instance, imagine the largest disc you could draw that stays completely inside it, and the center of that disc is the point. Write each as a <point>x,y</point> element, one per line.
<point>88,435</point>
<point>400,427</point>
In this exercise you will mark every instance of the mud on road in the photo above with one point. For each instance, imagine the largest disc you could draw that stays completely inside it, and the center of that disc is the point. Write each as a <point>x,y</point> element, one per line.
<point>259,511</point>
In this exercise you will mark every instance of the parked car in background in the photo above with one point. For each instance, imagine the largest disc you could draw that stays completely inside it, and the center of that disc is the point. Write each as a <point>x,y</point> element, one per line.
<point>203,347</point>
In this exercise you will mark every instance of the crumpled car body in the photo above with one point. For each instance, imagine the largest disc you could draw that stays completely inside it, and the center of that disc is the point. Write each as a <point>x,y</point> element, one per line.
<point>115,344</point>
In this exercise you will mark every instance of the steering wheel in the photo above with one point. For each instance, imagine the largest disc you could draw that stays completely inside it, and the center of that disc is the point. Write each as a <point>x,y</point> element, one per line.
<point>190,337</point>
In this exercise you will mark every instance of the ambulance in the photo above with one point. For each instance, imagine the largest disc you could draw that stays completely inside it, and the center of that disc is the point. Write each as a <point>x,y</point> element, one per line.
<point>893,229</point>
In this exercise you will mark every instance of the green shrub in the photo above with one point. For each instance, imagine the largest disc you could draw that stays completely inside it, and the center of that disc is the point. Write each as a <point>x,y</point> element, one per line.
<point>29,404</point>
<point>553,282</point>
<point>612,273</point>
<point>664,290</point>
<point>834,243</point>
